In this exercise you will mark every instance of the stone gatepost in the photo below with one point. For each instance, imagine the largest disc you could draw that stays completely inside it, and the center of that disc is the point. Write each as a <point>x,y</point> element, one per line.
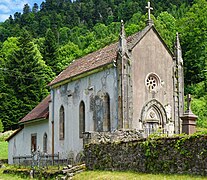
<point>188,119</point>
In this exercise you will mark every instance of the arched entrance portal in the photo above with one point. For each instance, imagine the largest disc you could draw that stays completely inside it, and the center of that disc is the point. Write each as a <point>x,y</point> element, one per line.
<point>153,117</point>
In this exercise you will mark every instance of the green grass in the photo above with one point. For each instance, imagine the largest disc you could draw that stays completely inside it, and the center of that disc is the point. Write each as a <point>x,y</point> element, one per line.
<point>9,176</point>
<point>108,175</point>
<point>4,144</point>
<point>3,150</point>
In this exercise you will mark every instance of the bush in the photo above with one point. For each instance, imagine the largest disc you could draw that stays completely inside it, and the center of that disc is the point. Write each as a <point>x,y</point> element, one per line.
<point>1,126</point>
<point>199,108</point>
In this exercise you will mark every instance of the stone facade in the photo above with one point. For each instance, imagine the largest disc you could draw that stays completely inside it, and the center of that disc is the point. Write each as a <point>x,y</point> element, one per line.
<point>150,82</point>
<point>91,91</point>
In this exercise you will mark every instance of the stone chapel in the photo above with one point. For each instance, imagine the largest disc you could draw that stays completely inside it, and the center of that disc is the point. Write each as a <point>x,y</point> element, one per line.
<point>136,83</point>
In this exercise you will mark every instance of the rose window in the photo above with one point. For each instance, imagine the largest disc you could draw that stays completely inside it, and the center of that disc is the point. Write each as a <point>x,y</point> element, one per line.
<point>152,82</point>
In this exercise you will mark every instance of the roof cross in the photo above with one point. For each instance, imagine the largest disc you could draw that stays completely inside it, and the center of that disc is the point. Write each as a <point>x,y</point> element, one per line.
<point>149,9</point>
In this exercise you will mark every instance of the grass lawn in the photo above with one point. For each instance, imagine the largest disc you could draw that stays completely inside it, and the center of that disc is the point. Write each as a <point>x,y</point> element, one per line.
<point>9,176</point>
<point>107,175</point>
<point>4,144</point>
<point>3,150</point>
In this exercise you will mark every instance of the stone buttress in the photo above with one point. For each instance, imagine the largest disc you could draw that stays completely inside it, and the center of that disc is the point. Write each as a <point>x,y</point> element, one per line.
<point>124,83</point>
<point>178,85</point>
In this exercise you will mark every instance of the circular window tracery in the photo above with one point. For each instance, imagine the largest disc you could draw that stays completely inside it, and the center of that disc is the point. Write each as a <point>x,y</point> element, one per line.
<point>152,82</point>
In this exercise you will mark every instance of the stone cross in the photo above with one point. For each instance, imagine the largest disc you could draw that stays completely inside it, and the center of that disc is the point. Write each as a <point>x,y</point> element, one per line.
<point>149,9</point>
<point>188,102</point>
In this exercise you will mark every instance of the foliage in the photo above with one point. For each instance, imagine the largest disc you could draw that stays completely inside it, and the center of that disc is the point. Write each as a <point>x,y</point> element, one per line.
<point>66,54</point>
<point>55,15</point>
<point>166,24</point>
<point>25,80</point>
<point>3,150</point>
<point>9,176</point>
<point>193,29</point>
<point>199,107</point>
<point>1,126</point>
<point>13,172</point>
<point>49,52</point>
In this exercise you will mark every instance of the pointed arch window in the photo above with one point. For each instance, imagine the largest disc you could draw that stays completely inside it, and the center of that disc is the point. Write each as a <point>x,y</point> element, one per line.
<point>62,123</point>
<point>81,119</point>
<point>45,143</point>
<point>102,112</point>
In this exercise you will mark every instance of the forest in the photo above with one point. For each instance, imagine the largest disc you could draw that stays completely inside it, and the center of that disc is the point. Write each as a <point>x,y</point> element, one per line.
<point>37,44</point>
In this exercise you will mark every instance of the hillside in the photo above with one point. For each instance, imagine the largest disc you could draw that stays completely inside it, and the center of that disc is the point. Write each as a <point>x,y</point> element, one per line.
<point>39,43</point>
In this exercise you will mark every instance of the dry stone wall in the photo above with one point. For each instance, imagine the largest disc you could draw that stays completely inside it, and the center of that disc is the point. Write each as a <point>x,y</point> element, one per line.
<point>118,135</point>
<point>187,154</point>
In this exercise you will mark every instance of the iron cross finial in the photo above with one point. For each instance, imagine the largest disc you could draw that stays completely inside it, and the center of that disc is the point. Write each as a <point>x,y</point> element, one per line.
<point>149,9</point>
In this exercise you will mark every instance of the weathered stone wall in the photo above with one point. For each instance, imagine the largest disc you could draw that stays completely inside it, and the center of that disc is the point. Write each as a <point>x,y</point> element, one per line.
<point>70,95</point>
<point>150,56</point>
<point>164,155</point>
<point>118,135</point>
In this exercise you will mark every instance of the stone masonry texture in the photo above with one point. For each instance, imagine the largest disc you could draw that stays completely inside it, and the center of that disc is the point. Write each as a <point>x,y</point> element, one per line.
<point>182,155</point>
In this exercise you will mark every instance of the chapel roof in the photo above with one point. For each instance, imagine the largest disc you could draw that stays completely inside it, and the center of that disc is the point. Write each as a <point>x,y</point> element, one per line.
<point>97,59</point>
<point>89,62</point>
<point>40,112</point>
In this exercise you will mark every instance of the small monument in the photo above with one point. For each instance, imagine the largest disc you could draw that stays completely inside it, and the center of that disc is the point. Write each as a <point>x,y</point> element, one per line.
<point>189,119</point>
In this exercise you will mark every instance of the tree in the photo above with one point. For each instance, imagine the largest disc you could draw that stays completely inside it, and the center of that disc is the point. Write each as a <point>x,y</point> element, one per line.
<point>193,29</point>
<point>66,54</point>
<point>135,24</point>
<point>50,50</point>
<point>101,31</point>
<point>35,8</point>
<point>8,48</point>
<point>26,9</point>
<point>63,35</point>
<point>1,126</point>
<point>17,17</point>
<point>4,34</point>
<point>167,27</point>
<point>44,25</point>
<point>26,79</point>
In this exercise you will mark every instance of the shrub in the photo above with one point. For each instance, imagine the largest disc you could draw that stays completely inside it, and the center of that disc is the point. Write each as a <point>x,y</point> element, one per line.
<point>1,126</point>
